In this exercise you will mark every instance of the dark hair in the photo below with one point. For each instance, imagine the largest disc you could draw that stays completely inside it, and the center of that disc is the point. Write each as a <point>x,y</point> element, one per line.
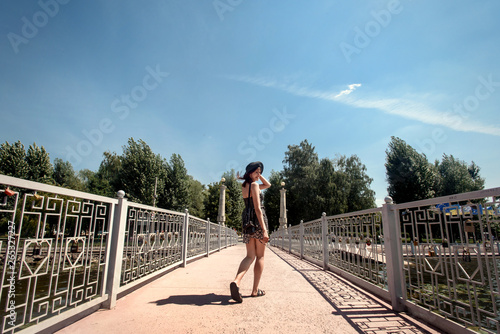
<point>247,179</point>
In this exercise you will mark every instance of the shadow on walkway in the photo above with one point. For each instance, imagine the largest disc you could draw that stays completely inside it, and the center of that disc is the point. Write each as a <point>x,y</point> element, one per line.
<point>364,312</point>
<point>196,300</point>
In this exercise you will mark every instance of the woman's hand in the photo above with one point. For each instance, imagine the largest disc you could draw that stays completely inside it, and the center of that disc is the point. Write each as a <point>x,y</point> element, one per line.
<point>266,237</point>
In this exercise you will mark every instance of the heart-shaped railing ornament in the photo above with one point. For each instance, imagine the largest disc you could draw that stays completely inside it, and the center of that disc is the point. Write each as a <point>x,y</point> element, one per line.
<point>35,257</point>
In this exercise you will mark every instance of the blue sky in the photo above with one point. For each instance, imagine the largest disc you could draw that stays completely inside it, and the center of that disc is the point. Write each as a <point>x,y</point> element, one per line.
<point>226,82</point>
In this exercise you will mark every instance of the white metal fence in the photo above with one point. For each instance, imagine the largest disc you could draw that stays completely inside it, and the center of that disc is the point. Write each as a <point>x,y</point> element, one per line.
<point>66,253</point>
<point>438,259</point>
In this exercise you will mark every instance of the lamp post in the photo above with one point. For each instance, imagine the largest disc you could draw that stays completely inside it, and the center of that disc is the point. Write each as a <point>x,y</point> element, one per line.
<point>283,219</point>
<point>222,203</point>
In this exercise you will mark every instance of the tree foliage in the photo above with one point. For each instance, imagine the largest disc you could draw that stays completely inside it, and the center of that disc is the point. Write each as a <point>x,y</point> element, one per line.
<point>234,200</point>
<point>352,173</point>
<point>13,160</point>
<point>39,166</point>
<point>300,171</point>
<point>272,198</point>
<point>175,195</point>
<point>331,186</point>
<point>139,169</point>
<point>64,175</point>
<point>411,177</point>
<point>409,174</point>
<point>455,176</point>
<point>197,194</point>
<point>211,202</point>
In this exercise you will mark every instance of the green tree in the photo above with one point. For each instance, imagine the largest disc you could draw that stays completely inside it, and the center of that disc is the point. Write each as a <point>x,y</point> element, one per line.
<point>234,200</point>
<point>457,177</point>
<point>332,188</point>
<point>64,175</point>
<point>139,169</point>
<point>39,167</point>
<point>212,201</point>
<point>409,174</point>
<point>175,195</point>
<point>105,180</point>
<point>272,200</point>
<point>13,160</point>
<point>359,194</point>
<point>197,194</point>
<point>300,173</point>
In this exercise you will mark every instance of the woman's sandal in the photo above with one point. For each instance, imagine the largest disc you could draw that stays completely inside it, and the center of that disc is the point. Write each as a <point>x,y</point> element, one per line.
<point>260,293</point>
<point>235,292</point>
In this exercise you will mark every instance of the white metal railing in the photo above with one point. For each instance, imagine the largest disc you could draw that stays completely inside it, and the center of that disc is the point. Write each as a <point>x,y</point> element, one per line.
<point>67,252</point>
<point>438,259</point>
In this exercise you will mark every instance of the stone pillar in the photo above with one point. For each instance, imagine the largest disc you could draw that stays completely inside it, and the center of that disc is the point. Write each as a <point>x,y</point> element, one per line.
<point>283,220</point>
<point>221,219</point>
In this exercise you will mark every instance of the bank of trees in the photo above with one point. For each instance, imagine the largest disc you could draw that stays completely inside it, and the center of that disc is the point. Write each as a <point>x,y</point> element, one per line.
<point>313,185</point>
<point>412,177</point>
<point>136,171</point>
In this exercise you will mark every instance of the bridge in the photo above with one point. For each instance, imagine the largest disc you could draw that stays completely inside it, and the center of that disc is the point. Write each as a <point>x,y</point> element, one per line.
<point>73,261</point>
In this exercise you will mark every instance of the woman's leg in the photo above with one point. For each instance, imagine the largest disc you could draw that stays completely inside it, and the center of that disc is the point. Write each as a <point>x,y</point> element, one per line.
<point>247,261</point>
<point>259,265</point>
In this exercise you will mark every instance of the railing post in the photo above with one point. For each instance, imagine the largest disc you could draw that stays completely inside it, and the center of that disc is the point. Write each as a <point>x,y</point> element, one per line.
<point>207,237</point>
<point>393,252</point>
<point>301,231</point>
<point>324,234</point>
<point>283,237</point>
<point>116,250</point>
<point>290,239</point>
<point>225,235</point>
<point>220,237</point>
<point>185,236</point>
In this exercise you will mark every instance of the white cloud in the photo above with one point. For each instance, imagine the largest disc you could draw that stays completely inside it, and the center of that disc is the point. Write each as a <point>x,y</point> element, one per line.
<point>351,89</point>
<point>409,109</point>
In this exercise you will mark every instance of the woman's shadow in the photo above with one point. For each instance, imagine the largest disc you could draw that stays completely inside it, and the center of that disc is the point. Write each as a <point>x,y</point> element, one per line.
<point>198,300</point>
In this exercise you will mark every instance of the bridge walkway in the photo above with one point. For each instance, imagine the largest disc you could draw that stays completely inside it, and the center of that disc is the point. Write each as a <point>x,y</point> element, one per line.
<point>300,298</point>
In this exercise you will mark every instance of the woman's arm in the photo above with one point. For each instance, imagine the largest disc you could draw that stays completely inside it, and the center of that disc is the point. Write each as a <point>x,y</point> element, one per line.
<point>265,184</point>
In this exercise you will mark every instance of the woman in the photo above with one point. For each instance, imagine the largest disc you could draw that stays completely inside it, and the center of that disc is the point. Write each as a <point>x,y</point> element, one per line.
<point>255,242</point>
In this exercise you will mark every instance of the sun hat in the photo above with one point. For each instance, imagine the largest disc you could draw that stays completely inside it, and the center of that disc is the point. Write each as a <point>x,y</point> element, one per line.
<point>251,167</point>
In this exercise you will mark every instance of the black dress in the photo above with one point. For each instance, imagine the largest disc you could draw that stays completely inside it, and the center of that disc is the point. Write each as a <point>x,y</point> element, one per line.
<point>258,234</point>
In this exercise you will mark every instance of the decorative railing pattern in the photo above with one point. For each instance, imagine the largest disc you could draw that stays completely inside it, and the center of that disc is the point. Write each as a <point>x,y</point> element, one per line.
<point>56,253</point>
<point>54,257</point>
<point>450,258</point>
<point>152,241</point>
<point>197,244</point>
<point>437,256</point>
<point>356,245</point>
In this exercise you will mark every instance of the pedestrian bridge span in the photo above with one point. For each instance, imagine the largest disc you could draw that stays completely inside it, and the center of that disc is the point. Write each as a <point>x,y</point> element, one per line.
<point>68,254</point>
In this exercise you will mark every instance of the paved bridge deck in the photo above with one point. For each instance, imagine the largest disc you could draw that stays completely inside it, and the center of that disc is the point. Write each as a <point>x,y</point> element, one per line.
<point>301,298</point>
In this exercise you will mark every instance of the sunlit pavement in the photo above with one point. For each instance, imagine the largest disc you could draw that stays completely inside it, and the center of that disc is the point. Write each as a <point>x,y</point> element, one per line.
<point>300,298</point>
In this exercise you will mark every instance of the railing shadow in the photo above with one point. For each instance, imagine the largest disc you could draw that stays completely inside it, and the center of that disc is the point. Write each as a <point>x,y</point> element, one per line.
<point>365,313</point>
